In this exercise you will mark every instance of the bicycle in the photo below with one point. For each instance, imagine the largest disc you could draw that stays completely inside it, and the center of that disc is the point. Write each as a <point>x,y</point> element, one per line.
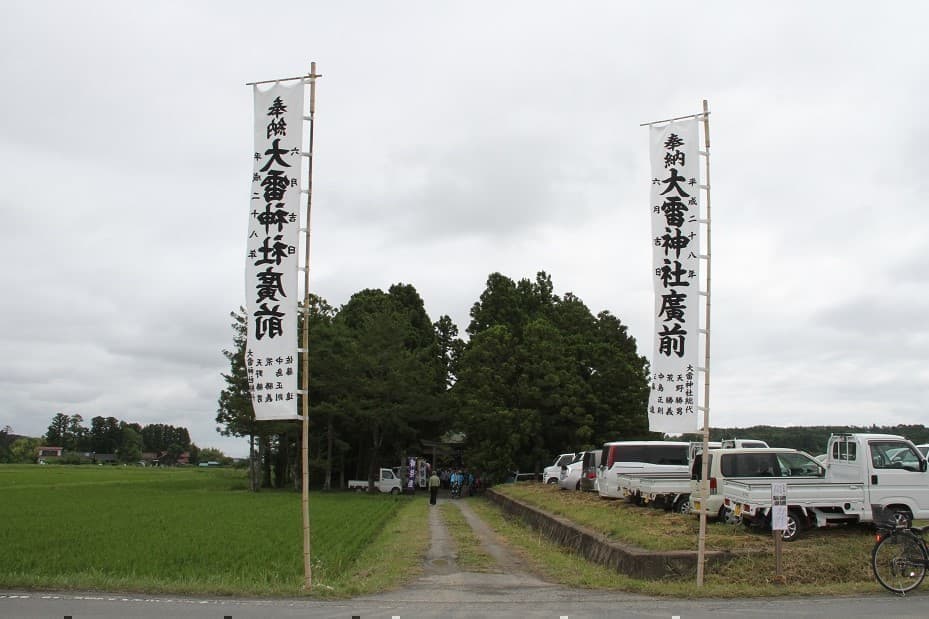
<point>900,556</point>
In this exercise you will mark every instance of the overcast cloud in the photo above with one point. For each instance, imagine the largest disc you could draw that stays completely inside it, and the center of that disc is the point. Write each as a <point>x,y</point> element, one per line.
<point>454,140</point>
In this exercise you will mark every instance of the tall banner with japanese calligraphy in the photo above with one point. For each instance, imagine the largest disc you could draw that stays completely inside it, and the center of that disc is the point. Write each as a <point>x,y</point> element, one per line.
<point>272,252</point>
<point>675,211</point>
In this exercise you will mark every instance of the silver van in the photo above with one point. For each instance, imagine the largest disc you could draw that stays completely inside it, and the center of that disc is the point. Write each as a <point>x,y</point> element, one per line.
<point>741,463</point>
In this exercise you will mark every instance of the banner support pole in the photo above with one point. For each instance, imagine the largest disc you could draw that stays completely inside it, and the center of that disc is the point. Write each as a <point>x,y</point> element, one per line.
<point>704,484</point>
<point>304,451</point>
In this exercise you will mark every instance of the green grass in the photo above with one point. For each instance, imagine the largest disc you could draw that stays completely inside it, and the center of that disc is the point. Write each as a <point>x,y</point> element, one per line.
<point>199,531</point>
<point>619,520</point>
<point>393,558</point>
<point>185,530</point>
<point>834,561</point>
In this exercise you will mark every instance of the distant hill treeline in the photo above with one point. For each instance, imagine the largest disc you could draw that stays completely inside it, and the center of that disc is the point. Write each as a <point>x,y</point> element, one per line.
<point>811,439</point>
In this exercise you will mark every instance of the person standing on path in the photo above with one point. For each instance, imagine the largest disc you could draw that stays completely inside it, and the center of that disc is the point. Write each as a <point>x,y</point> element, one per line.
<point>434,483</point>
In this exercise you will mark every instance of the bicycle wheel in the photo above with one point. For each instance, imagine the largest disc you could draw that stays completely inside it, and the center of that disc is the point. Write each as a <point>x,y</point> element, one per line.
<point>899,562</point>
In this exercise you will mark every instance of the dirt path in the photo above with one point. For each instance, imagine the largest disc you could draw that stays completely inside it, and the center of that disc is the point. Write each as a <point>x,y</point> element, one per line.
<point>444,581</point>
<point>491,542</point>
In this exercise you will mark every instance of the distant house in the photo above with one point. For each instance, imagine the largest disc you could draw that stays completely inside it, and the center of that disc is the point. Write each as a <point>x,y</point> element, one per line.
<point>50,452</point>
<point>161,458</point>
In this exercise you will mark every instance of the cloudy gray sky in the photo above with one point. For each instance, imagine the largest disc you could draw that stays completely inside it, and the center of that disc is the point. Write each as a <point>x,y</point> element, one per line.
<point>454,140</point>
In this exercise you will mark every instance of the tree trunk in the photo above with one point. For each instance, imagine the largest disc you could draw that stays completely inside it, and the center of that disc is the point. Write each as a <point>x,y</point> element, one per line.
<point>264,447</point>
<point>253,484</point>
<point>327,482</point>
<point>373,470</point>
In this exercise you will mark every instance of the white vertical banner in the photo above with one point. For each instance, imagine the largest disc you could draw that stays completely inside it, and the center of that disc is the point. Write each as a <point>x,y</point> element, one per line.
<point>272,260</point>
<point>675,211</point>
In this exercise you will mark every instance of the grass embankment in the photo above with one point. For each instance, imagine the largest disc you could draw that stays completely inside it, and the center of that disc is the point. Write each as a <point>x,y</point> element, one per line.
<point>833,561</point>
<point>196,531</point>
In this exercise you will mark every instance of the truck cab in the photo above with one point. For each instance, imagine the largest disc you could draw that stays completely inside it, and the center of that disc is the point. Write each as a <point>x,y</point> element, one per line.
<point>890,467</point>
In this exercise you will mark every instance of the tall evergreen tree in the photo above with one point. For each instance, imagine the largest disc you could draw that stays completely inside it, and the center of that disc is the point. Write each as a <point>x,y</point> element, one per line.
<point>450,347</point>
<point>393,361</point>
<point>542,375</point>
<point>57,430</point>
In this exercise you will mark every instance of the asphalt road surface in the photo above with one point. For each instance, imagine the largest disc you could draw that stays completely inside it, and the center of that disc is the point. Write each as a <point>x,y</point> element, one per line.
<point>428,602</point>
<point>446,591</point>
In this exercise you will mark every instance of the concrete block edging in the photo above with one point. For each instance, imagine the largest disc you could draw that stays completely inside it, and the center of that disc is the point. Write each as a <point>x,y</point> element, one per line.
<point>634,562</point>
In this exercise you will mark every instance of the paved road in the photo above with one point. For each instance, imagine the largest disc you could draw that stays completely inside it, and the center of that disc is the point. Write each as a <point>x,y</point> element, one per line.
<point>428,603</point>
<point>446,591</point>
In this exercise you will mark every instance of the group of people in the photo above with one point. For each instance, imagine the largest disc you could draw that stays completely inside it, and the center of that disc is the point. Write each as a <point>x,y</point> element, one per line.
<point>459,482</point>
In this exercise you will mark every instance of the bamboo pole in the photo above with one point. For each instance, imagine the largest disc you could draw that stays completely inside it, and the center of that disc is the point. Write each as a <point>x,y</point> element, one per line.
<point>304,450</point>
<point>704,482</point>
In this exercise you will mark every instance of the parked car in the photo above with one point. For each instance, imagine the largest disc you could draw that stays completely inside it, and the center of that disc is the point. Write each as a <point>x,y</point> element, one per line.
<point>551,473</point>
<point>570,478</point>
<point>591,462</point>
<point>516,476</point>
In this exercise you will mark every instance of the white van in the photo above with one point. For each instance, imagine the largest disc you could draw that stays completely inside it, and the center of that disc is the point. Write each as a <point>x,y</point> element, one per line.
<point>552,472</point>
<point>642,458</point>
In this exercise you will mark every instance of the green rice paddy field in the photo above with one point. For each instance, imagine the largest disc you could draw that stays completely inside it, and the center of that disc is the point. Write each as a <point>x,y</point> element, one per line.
<point>187,530</point>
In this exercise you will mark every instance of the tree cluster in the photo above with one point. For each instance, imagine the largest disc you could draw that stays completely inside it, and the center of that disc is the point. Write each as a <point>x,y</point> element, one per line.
<point>108,435</point>
<point>540,374</point>
<point>375,377</point>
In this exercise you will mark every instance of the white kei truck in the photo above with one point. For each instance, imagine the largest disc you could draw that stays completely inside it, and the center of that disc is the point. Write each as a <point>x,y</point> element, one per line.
<point>862,473</point>
<point>670,490</point>
<point>630,461</point>
<point>386,482</point>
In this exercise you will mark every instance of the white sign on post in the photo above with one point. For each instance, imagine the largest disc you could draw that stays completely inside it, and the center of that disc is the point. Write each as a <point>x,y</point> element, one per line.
<point>778,506</point>
<point>271,265</point>
<point>675,239</point>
